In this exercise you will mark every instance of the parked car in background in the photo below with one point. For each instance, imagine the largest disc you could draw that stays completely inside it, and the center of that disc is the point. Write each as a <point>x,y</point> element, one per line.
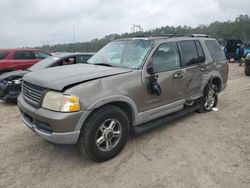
<point>230,48</point>
<point>247,65</point>
<point>20,59</point>
<point>133,84</point>
<point>246,47</point>
<point>10,82</point>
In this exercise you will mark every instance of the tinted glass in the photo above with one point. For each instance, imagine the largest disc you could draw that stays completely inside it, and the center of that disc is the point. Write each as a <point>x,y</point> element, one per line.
<point>201,55</point>
<point>166,57</point>
<point>41,55</point>
<point>22,55</point>
<point>215,50</point>
<point>82,58</point>
<point>189,53</point>
<point>127,54</point>
<point>3,54</point>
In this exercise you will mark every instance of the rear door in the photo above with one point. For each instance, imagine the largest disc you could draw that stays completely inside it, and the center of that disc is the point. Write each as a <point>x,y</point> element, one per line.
<point>192,60</point>
<point>22,60</point>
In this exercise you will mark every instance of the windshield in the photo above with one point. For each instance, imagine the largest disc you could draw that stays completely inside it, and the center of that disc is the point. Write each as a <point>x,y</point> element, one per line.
<point>43,64</point>
<point>127,54</point>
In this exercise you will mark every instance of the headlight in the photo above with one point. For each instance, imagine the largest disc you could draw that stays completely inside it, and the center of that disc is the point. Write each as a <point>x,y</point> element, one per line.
<point>56,101</point>
<point>16,81</point>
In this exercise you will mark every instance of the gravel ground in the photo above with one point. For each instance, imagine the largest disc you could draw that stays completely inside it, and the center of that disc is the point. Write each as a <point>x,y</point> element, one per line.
<point>199,150</point>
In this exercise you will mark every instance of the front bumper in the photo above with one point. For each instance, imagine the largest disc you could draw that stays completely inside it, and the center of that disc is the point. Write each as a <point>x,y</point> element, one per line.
<point>55,127</point>
<point>9,91</point>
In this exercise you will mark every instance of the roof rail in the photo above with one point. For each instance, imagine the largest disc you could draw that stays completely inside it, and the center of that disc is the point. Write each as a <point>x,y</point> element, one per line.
<point>173,35</point>
<point>163,35</point>
<point>138,36</point>
<point>200,35</point>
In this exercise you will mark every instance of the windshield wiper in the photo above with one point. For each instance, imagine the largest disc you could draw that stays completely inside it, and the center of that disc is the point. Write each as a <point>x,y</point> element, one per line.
<point>104,64</point>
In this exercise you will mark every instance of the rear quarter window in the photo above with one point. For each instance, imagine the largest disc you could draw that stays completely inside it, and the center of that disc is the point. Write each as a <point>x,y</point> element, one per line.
<point>4,54</point>
<point>215,50</point>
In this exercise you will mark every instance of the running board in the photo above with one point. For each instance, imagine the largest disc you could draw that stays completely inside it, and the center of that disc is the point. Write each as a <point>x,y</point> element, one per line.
<point>163,120</point>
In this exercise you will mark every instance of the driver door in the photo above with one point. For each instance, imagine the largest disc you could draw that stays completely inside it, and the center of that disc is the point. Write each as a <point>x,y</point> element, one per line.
<point>170,79</point>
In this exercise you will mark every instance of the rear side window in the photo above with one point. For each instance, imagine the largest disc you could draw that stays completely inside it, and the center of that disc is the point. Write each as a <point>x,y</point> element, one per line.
<point>82,58</point>
<point>189,53</point>
<point>4,54</point>
<point>22,55</point>
<point>215,50</point>
<point>41,55</point>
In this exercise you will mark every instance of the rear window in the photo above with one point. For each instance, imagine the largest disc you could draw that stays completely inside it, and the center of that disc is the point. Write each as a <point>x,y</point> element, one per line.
<point>20,55</point>
<point>215,50</point>
<point>4,54</point>
<point>41,55</point>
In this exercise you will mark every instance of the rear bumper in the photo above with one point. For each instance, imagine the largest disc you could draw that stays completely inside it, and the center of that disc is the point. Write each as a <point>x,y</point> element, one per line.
<point>223,86</point>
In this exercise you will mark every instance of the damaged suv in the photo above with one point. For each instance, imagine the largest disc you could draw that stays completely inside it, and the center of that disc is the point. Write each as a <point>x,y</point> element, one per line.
<point>130,85</point>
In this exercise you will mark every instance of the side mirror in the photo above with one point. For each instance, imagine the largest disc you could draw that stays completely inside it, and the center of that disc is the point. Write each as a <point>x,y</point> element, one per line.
<point>150,68</point>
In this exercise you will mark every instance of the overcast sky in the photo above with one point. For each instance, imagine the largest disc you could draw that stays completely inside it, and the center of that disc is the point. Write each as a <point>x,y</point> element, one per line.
<point>37,22</point>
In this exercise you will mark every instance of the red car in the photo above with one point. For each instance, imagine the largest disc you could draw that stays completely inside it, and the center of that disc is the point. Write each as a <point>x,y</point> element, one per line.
<point>20,59</point>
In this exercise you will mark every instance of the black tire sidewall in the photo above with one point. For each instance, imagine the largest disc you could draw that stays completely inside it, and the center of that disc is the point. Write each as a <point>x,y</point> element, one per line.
<point>247,69</point>
<point>90,142</point>
<point>204,99</point>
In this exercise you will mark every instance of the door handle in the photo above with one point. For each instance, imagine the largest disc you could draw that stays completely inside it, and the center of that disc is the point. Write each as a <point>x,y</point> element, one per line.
<point>203,68</point>
<point>178,75</point>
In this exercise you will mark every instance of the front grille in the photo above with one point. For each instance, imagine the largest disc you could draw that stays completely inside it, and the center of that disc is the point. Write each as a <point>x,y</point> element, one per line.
<point>32,93</point>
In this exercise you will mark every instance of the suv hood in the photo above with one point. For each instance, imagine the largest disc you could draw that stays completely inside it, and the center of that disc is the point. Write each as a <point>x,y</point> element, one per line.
<point>58,78</point>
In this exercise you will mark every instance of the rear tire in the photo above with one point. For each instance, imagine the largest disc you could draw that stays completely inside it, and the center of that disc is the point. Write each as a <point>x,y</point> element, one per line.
<point>247,70</point>
<point>104,134</point>
<point>209,99</point>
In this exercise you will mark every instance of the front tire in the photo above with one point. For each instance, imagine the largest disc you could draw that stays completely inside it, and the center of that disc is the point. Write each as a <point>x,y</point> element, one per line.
<point>209,99</point>
<point>104,134</point>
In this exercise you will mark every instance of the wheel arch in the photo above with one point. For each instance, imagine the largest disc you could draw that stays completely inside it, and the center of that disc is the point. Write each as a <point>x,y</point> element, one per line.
<point>214,79</point>
<point>123,102</point>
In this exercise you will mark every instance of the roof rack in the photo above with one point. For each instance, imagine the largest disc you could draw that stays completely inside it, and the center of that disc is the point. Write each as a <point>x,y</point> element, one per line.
<point>174,35</point>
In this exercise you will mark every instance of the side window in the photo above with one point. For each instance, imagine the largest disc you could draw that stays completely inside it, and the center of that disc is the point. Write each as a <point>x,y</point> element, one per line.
<point>82,58</point>
<point>41,55</point>
<point>4,54</point>
<point>166,57</point>
<point>189,53</point>
<point>23,55</point>
<point>215,50</point>
<point>201,56</point>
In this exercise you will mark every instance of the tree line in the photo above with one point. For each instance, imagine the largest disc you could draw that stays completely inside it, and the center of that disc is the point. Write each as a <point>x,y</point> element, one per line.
<point>237,29</point>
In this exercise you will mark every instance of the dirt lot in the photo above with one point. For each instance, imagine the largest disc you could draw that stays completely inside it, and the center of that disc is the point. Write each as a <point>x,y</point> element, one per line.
<point>199,150</point>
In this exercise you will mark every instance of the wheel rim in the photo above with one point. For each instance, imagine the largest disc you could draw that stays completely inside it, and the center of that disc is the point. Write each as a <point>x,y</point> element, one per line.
<point>210,100</point>
<point>108,134</point>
